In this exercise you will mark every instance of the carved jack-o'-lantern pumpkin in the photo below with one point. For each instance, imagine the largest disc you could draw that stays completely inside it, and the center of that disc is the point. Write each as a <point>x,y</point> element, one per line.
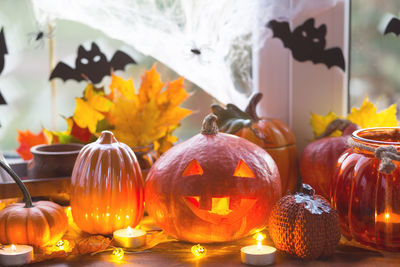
<point>271,134</point>
<point>213,187</point>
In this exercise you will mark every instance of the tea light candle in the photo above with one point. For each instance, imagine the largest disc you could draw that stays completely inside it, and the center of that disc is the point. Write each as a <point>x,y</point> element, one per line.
<point>130,238</point>
<point>258,254</point>
<point>15,255</point>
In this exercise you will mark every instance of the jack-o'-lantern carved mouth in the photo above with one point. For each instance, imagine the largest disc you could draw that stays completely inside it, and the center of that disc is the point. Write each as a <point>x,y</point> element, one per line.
<point>222,210</point>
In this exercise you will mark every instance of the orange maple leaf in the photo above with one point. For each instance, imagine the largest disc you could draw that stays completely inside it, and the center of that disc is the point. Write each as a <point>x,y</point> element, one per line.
<point>151,85</point>
<point>27,140</point>
<point>150,116</point>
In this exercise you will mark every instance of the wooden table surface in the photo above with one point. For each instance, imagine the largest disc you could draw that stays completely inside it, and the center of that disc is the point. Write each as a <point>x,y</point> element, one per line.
<point>176,254</point>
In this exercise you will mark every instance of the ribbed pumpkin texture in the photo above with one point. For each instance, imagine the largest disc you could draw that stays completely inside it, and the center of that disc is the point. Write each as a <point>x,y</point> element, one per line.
<point>106,187</point>
<point>214,187</point>
<point>368,200</point>
<point>43,224</point>
<point>38,224</point>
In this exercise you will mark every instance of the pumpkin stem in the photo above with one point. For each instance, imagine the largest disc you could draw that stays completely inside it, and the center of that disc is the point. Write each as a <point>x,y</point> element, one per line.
<point>338,124</point>
<point>22,187</point>
<point>209,126</point>
<point>251,108</point>
<point>106,137</point>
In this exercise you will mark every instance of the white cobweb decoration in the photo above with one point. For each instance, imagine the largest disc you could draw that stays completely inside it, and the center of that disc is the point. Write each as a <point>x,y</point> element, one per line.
<point>209,42</point>
<point>206,41</point>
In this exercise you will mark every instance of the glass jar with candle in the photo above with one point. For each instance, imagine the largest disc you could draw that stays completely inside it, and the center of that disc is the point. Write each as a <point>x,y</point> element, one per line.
<point>365,188</point>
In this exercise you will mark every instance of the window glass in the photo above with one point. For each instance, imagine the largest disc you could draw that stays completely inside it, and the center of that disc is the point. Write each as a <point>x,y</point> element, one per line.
<point>24,82</point>
<point>375,58</point>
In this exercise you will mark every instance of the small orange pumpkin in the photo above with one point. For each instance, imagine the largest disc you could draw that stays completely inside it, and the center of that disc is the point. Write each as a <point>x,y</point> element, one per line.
<point>304,225</point>
<point>37,224</point>
<point>272,135</point>
<point>106,187</point>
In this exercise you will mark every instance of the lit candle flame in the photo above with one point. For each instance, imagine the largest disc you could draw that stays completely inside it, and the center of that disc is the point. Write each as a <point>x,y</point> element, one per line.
<point>129,230</point>
<point>259,238</point>
<point>13,248</point>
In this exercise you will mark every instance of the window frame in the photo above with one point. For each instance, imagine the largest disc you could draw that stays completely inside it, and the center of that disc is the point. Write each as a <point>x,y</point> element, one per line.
<point>292,89</point>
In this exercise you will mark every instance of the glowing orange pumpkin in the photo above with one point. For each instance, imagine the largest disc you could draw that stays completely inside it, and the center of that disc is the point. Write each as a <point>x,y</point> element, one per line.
<point>213,187</point>
<point>271,134</point>
<point>31,223</point>
<point>106,187</point>
<point>365,192</point>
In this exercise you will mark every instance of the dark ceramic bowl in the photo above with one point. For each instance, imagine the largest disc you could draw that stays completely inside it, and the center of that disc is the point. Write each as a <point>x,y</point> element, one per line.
<point>56,160</point>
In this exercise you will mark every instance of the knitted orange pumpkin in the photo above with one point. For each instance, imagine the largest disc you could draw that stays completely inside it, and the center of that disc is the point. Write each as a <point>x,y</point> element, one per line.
<point>31,223</point>
<point>272,135</point>
<point>304,225</point>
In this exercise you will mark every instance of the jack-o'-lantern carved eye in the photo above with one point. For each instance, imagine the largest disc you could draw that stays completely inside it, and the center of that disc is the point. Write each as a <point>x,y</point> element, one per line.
<point>193,168</point>
<point>242,170</point>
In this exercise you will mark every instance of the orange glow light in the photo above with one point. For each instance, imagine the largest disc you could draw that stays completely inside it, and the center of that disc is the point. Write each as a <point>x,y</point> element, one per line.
<point>60,245</point>
<point>242,170</point>
<point>117,254</point>
<point>193,168</point>
<point>198,251</point>
<point>220,205</point>
<point>259,238</point>
<point>129,230</point>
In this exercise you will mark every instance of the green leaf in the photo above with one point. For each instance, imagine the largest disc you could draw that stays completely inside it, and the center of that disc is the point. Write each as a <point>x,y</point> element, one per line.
<point>231,119</point>
<point>103,125</point>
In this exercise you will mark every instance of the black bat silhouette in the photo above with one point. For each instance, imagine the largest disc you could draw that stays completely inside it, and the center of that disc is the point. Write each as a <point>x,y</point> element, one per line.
<point>92,65</point>
<point>307,43</point>
<point>393,26</point>
<point>3,49</point>
<point>3,52</point>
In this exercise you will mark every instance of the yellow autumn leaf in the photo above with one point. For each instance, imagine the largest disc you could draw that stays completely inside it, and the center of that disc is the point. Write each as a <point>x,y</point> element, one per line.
<point>151,85</point>
<point>173,95</point>
<point>173,116</point>
<point>367,116</point>
<point>96,100</point>
<point>134,127</point>
<point>320,122</point>
<point>165,143</point>
<point>125,87</point>
<point>89,111</point>
<point>149,116</point>
<point>86,116</point>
